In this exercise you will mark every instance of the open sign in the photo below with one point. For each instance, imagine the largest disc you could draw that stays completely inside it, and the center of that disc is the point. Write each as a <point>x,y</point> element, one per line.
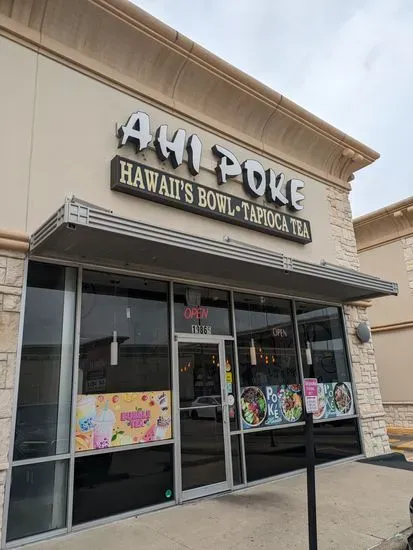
<point>195,313</point>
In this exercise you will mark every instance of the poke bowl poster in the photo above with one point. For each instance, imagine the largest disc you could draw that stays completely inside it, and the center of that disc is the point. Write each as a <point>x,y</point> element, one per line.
<point>263,406</point>
<point>271,405</point>
<point>116,419</point>
<point>334,400</point>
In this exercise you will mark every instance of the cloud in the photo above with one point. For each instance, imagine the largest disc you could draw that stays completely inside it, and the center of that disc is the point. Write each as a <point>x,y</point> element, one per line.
<point>351,63</point>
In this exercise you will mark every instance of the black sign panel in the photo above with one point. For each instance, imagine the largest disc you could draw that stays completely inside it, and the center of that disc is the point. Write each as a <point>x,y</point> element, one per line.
<point>148,183</point>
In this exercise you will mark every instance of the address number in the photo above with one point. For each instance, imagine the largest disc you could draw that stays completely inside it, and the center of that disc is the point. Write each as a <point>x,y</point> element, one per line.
<point>201,329</point>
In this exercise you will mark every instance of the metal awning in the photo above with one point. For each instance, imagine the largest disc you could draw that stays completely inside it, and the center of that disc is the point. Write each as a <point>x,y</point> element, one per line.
<point>90,235</point>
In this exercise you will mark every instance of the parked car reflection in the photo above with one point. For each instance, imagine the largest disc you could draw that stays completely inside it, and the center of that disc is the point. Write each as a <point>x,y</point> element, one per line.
<point>207,407</point>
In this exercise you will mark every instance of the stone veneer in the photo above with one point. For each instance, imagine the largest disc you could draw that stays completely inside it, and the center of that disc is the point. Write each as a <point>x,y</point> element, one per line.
<point>399,415</point>
<point>11,283</point>
<point>370,406</point>
<point>408,258</point>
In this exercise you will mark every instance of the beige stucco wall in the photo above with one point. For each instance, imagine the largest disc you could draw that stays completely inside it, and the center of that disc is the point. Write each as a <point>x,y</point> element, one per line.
<point>74,141</point>
<point>388,262</point>
<point>395,364</point>
<point>17,92</point>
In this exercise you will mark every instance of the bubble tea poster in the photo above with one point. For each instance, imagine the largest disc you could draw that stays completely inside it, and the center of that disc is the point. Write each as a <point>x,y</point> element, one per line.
<point>115,419</point>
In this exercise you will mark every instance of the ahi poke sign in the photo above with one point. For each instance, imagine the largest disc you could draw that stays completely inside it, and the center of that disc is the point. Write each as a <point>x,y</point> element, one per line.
<point>115,419</point>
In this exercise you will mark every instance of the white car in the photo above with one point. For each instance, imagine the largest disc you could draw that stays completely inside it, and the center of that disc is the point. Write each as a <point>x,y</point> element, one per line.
<point>207,406</point>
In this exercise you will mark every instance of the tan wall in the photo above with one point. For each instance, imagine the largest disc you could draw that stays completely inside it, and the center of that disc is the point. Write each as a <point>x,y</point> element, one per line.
<point>17,93</point>
<point>395,364</point>
<point>388,262</point>
<point>74,141</point>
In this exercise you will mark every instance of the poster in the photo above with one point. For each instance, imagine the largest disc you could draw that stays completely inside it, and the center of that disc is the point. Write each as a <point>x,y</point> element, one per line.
<point>263,406</point>
<point>114,419</point>
<point>335,399</point>
<point>271,405</point>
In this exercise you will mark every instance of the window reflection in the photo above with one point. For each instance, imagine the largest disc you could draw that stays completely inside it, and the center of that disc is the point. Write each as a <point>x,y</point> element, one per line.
<point>265,339</point>
<point>322,343</point>
<point>124,371</point>
<point>202,311</point>
<point>45,385</point>
<point>137,311</point>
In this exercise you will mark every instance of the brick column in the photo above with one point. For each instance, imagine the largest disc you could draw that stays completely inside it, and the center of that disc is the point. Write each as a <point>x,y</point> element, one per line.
<point>366,382</point>
<point>13,248</point>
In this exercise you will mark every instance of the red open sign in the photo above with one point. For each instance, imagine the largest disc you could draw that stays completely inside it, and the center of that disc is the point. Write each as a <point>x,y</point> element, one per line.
<point>196,313</point>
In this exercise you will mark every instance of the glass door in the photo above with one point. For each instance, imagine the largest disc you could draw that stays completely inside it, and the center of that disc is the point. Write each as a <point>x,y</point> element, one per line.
<point>203,418</point>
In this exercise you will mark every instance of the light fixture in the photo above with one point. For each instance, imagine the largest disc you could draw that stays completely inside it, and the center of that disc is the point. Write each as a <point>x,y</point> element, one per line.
<point>253,353</point>
<point>114,349</point>
<point>114,345</point>
<point>308,354</point>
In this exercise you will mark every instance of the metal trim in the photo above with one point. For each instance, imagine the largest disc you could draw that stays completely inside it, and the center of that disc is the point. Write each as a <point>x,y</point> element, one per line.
<point>202,338</point>
<point>124,515</point>
<point>122,448</point>
<point>76,213</point>
<point>353,385</point>
<point>238,385</point>
<point>75,374</point>
<point>41,460</point>
<point>18,543</point>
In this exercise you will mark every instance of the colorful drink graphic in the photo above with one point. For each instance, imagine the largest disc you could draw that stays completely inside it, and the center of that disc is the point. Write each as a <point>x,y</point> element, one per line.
<point>162,426</point>
<point>115,419</point>
<point>104,423</point>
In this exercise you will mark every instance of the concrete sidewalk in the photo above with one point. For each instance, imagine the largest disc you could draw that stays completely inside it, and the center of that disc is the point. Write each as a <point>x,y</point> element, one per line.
<point>359,506</point>
<point>401,440</point>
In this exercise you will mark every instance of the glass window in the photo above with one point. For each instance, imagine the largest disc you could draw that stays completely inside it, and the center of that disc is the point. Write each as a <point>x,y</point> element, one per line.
<point>231,386</point>
<point>273,452</point>
<point>322,343</point>
<point>236,459</point>
<point>124,377</point>
<point>265,338</point>
<point>336,440</point>
<point>201,310</point>
<point>38,499</point>
<point>112,483</point>
<point>45,384</point>
<point>269,376</point>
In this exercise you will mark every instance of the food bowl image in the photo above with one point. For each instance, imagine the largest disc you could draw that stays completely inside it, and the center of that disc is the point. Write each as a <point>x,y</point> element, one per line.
<point>253,406</point>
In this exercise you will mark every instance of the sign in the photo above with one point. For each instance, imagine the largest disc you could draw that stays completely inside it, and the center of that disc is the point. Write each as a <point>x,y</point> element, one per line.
<point>311,395</point>
<point>271,405</point>
<point>334,400</point>
<point>257,181</point>
<point>116,419</point>
<point>201,329</point>
<point>148,183</point>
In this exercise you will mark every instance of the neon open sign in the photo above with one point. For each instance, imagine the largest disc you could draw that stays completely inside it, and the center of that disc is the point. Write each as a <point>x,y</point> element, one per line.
<point>195,313</point>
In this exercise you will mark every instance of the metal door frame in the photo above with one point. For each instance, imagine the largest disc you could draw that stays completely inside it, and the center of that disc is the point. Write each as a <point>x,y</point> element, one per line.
<point>227,485</point>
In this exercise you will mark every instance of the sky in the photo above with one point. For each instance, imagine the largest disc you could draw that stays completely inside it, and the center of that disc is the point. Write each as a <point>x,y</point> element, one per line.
<point>350,62</point>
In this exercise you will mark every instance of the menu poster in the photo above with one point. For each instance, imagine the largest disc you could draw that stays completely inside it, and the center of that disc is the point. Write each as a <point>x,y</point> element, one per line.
<point>271,405</point>
<point>115,419</point>
<point>335,399</point>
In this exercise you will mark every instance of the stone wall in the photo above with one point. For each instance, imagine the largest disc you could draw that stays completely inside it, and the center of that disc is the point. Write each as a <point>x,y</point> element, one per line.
<point>366,381</point>
<point>370,407</point>
<point>11,283</point>
<point>408,258</point>
<point>399,415</point>
<point>341,228</point>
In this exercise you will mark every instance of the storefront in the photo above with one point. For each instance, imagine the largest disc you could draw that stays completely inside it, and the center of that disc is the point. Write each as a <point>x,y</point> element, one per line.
<point>183,259</point>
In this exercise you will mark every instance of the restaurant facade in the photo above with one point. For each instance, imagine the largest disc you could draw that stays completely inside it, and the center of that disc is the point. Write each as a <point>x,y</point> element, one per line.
<point>176,255</point>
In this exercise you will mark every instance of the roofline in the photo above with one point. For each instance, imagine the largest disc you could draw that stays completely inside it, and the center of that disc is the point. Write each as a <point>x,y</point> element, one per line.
<point>197,85</point>
<point>389,210</point>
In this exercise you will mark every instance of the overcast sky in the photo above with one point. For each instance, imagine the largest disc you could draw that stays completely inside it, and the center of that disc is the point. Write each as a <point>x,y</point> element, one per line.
<point>349,62</point>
